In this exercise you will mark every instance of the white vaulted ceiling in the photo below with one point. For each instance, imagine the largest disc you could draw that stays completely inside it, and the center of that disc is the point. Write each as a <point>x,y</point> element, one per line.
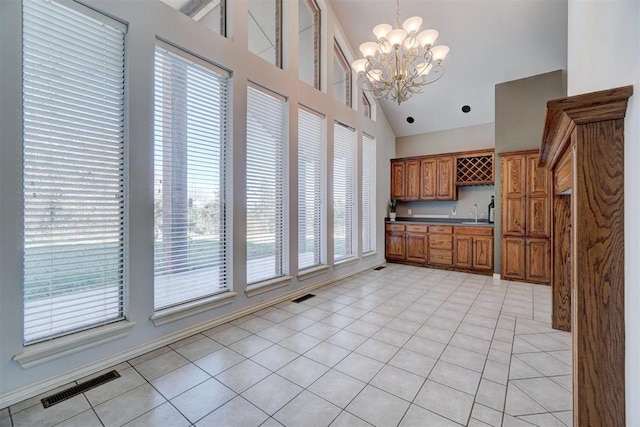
<point>491,41</point>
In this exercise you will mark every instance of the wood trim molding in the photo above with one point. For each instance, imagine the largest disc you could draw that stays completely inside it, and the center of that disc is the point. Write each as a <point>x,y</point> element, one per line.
<point>563,114</point>
<point>589,234</point>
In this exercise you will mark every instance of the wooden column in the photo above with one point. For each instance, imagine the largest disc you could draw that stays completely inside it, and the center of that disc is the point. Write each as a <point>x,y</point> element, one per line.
<point>592,125</point>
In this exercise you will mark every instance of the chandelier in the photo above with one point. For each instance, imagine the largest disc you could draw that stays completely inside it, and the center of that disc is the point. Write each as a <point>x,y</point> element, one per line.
<point>402,62</point>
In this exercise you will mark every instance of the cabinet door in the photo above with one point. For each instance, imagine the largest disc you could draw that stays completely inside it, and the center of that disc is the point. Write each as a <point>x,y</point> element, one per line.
<point>513,195</point>
<point>446,185</point>
<point>428,179</point>
<point>397,179</point>
<point>416,247</point>
<point>538,200</point>
<point>412,185</point>
<point>513,258</point>
<point>395,246</point>
<point>463,251</point>
<point>483,253</point>
<point>538,260</point>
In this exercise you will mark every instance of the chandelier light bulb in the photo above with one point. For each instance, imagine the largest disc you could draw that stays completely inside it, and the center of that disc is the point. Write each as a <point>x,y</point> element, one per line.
<point>439,53</point>
<point>368,49</point>
<point>412,25</point>
<point>423,69</point>
<point>427,38</point>
<point>382,30</point>
<point>359,65</point>
<point>396,36</point>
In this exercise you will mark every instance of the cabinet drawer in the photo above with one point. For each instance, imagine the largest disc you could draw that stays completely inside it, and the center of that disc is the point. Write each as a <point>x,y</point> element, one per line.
<point>395,227</point>
<point>417,228</point>
<point>476,230</point>
<point>440,229</point>
<point>441,257</point>
<point>437,241</point>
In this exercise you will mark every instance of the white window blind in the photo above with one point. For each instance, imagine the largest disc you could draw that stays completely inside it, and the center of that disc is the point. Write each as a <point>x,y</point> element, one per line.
<point>368,193</point>
<point>265,187</point>
<point>190,248</point>
<point>73,111</point>
<point>344,156</point>
<point>311,187</point>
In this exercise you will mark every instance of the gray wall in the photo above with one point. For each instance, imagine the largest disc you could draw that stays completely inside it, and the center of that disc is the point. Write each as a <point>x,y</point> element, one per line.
<point>520,111</point>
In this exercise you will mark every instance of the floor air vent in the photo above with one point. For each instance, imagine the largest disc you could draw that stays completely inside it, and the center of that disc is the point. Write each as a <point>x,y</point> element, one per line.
<point>78,389</point>
<point>379,268</point>
<point>303,298</point>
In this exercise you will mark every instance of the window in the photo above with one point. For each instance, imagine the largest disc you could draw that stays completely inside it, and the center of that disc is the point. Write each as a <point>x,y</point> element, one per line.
<point>210,13</point>
<point>344,155</point>
<point>368,193</point>
<point>309,42</point>
<point>266,177</point>
<point>73,110</point>
<point>341,76</point>
<point>311,188</point>
<point>366,106</point>
<point>190,239</point>
<point>265,30</point>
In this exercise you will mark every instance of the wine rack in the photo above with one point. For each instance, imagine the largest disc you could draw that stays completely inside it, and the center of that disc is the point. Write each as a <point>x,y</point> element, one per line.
<point>475,169</point>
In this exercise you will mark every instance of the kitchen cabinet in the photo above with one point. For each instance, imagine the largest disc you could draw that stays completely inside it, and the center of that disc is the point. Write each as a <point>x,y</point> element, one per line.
<point>395,242</point>
<point>526,218</point>
<point>468,248</point>
<point>424,178</point>
<point>397,179</point>
<point>416,243</point>
<point>473,247</point>
<point>446,185</point>
<point>412,183</point>
<point>441,245</point>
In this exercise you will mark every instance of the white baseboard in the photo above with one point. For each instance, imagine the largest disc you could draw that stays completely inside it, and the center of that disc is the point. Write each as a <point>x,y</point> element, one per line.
<point>42,386</point>
<point>496,276</point>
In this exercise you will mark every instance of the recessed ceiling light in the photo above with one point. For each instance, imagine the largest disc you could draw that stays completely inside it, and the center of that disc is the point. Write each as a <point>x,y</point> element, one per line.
<point>410,119</point>
<point>466,108</point>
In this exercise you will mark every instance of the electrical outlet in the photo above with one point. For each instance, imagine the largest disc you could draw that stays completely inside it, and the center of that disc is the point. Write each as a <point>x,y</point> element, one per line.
<point>453,212</point>
<point>409,212</point>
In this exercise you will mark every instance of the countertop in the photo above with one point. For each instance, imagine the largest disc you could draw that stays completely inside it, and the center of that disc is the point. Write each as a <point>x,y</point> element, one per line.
<point>440,221</point>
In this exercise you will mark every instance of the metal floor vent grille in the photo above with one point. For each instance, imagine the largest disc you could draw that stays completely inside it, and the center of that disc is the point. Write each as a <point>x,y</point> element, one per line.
<point>379,268</point>
<point>78,389</point>
<point>303,298</point>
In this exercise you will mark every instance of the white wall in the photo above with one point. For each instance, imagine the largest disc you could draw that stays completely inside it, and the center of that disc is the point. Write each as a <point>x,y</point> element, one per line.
<point>603,53</point>
<point>146,20</point>
<point>447,141</point>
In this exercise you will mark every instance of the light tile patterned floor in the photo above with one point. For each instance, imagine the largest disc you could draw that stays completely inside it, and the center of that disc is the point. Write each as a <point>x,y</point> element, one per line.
<point>403,346</point>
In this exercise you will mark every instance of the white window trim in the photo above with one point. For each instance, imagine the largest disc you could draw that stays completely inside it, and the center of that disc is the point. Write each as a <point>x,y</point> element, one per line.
<point>346,262</point>
<point>310,272</point>
<point>171,314</point>
<point>267,285</point>
<point>37,354</point>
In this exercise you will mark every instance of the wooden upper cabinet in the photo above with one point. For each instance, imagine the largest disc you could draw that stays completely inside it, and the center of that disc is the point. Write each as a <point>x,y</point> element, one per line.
<point>397,179</point>
<point>513,195</point>
<point>428,179</point>
<point>412,181</point>
<point>446,189</point>
<point>538,200</point>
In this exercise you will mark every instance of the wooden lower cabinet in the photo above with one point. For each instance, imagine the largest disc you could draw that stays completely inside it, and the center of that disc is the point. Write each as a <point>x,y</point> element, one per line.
<point>395,248</point>
<point>483,253</point>
<point>416,243</point>
<point>526,259</point>
<point>447,246</point>
<point>473,248</point>
<point>464,251</point>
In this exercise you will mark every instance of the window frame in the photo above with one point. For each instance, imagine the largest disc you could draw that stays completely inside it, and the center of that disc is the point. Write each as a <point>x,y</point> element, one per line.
<point>368,195</point>
<point>350,192</point>
<point>340,57</point>
<point>314,8</point>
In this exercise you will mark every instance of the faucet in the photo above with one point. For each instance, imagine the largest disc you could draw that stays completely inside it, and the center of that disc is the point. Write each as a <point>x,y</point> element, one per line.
<point>475,211</point>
